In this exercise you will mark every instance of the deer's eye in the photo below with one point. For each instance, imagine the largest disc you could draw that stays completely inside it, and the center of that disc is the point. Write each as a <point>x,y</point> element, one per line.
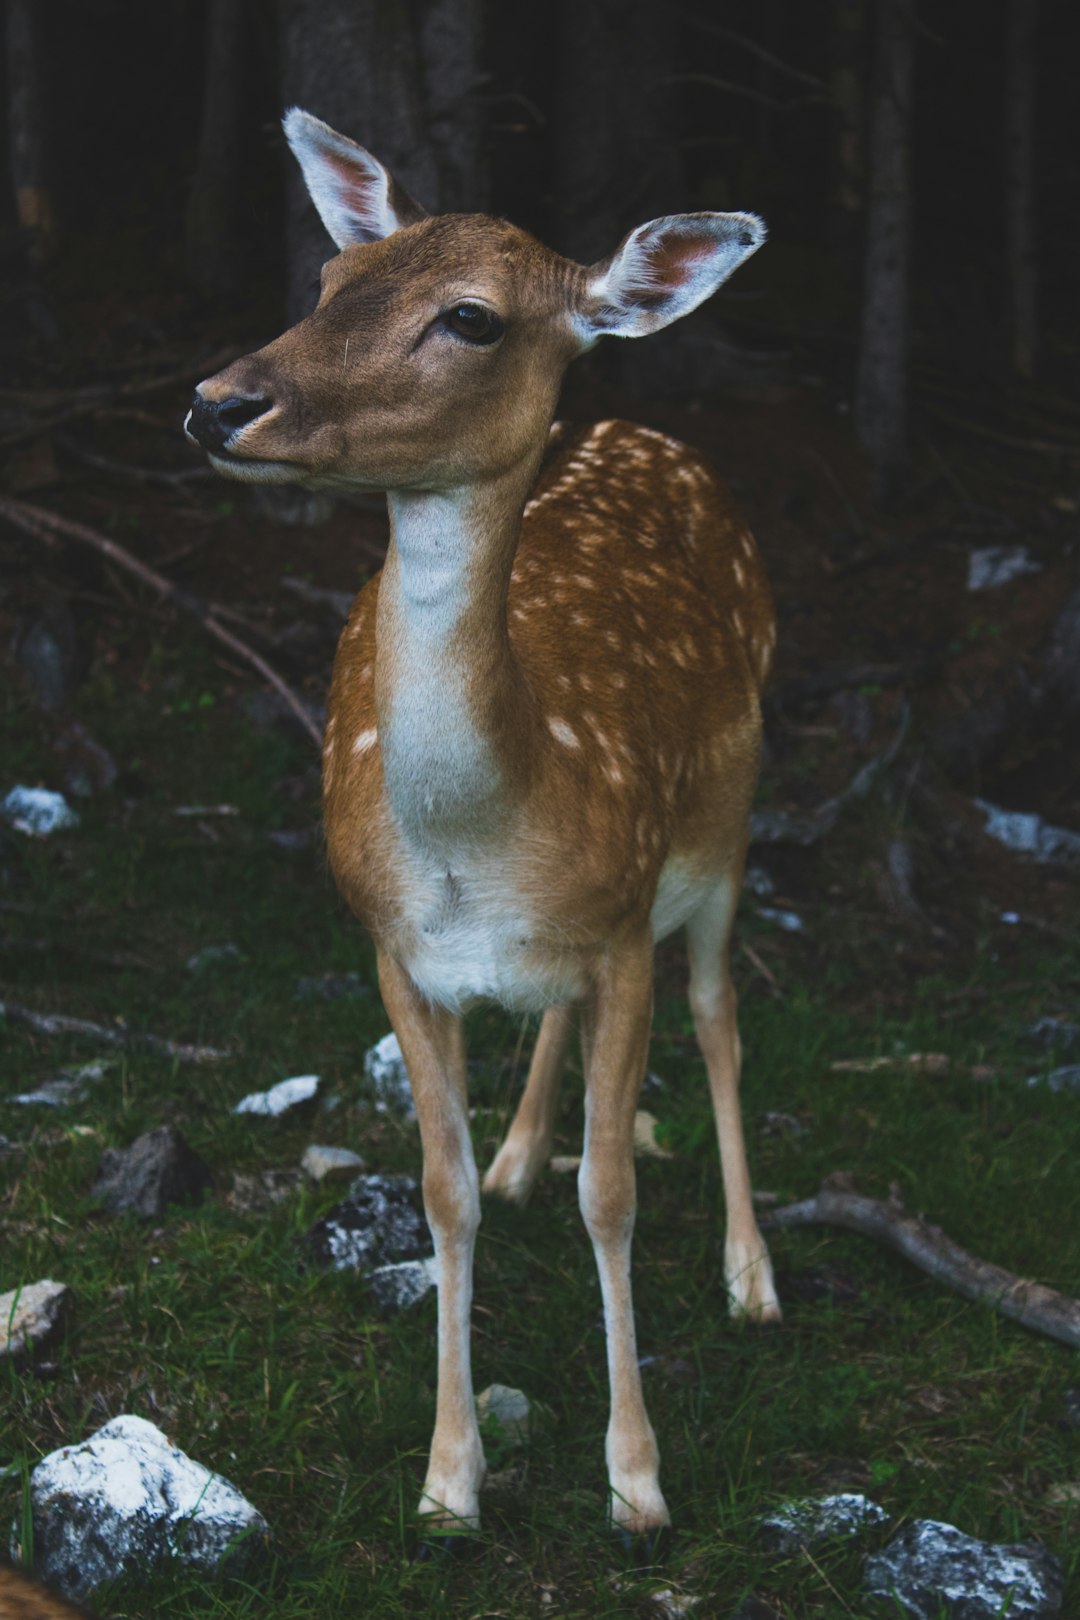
<point>473,322</point>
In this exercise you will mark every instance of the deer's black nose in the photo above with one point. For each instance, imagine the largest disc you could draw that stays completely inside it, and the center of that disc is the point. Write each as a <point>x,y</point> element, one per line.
<point>213,422</point>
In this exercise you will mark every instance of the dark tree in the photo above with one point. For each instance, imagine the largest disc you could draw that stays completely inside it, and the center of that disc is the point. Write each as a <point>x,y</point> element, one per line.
<point>616,162</point>
<point>1020,98</point>
<point>400,77</point>
<point>846,93</point>
<point>26,129</point>
<point>881,393</point>
<point>214,240</point>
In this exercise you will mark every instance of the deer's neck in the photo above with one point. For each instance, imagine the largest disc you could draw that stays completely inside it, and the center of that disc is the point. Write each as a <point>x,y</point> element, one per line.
<point>453,709</point>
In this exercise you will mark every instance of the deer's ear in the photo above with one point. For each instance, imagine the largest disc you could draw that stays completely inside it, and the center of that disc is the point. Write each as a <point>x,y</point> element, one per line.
<point>664,270</point>
<point>358,200</point>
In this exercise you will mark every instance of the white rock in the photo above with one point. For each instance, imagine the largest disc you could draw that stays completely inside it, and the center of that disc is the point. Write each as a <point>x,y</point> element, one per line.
<point>931,1568</point>
<point>30,1315</point>
<point>789,921</point>
<point>809,1521</point>
<point>991,566</point>
<point>124,1499</point>
<point>1028,834</point>
<point>385,1068</point>
<point>508,1410</point>
<point>330,1163</point>
<point>37,812</point>
<point>280,1098</point>
<point>403,1283</point>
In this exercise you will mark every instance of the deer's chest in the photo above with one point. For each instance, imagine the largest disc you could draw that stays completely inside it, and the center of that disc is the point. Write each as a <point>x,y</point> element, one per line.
<point>464,935</point>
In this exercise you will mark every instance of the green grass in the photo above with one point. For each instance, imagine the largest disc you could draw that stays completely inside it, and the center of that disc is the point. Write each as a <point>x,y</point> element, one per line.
<point>284,1379</point>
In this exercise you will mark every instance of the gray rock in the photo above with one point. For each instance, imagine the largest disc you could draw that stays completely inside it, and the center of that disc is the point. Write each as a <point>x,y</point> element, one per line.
<point>398,1286</point>
<point>158,1169</point>
<point>1066,1079</point>
<point>330,1163</point>
<point>508,1411</point>
<point>30,1317</point>
<point>280,1098</point>
<point>1028,834</point>
<point>124,1500</point>
<point>789,921</point>
<point>1070,1416</point>
<point>932,1568</point>
<point>385,1068</point>
<point>379,1222</point>
<point>87,767</point>
<point>992,566</point>
<point>757,881</point>
<point>67,1086</point>
<point>37,812</point>
<point>810,1521</point>
<point>1054,1032</point>
<point>253,1193</point>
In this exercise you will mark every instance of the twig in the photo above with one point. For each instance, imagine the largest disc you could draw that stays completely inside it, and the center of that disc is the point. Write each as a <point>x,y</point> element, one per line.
<point>783,827</point>
<point>43,525</point>
<point>766,972</point>
<point>1013,441</point>
<point>751,45</point>
<point>1034,1306</point>
<point>164,476</point>
<point>61,1024</point>
<point>338,602</point>
<point>748,94</point>
<point>92,399</point>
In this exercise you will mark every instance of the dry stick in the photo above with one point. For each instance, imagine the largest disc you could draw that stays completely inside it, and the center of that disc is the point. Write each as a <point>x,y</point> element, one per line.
<point>61,1024</point>
<point>44,525</point>
<point>1034,1306</point>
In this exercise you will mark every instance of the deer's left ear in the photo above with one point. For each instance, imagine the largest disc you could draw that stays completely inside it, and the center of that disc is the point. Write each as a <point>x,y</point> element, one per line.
<point>665,269</point>
<point>358,199</point>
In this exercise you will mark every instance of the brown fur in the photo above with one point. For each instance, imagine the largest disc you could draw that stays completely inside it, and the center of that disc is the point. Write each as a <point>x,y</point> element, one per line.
<point>544,723</point>
<point>22,1598</point>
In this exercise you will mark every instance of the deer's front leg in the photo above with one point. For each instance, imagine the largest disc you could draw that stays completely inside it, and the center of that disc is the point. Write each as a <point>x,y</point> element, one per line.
<point>618,1022</point>
<point>433,1045</point>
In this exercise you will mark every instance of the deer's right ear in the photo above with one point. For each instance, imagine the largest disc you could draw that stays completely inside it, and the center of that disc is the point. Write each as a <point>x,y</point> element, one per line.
<point>358,200</point>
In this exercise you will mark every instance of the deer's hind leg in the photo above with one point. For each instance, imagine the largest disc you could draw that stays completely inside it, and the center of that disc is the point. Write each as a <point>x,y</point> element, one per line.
<point>747,1267</point>
<point>520,1161</point>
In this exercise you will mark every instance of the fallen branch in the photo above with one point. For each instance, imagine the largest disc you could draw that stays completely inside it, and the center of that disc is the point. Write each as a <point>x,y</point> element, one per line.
<point>168,478</point>
<point>45,525</point>
<point>60,1024</point>
<point>1034,1306</point>
<point>784,827</point>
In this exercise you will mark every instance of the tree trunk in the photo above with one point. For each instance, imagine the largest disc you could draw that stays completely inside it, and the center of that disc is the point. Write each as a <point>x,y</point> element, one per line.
<point>398,76</point>
<point>1019,183</point>
<point>846,76</point>
<point>881,402</point>
<point>615,161</point>
<point>26,129</point>
<point>214,239</point>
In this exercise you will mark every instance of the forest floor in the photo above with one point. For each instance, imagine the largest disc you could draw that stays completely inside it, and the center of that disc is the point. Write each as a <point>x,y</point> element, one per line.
<point>284,1378</point>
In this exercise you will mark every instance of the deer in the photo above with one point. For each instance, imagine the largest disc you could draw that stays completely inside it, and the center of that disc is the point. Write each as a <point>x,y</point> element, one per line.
<point>544,724</point>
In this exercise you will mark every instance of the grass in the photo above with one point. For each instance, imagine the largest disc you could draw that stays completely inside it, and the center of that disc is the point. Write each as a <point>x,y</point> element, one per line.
<point>286,1381</point>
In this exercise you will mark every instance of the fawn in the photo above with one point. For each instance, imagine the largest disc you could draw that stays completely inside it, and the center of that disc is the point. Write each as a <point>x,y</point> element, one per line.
<point>543,731</point>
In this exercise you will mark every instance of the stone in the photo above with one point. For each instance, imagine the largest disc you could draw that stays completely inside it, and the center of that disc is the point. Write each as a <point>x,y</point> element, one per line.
<point>992,566</point>
<point>253,1193</point>
<point>31,1317</point>
<point>377,1223</point>
<point>931,1569</point>
<point>385,1068</point>
<point>811,1521</point>
<point>789,921</point>
<point>37,812</point>
<point>87,767</point>
<point>124,1500</point>
<point>67,1086</point>
<point>280,1098</point>
<point>1054,1032</point>
<point>406,1282</point>
<point>330,1163</point>
<point>158,1169</point>
<point>1025,833</point>
<point>1065,1079</point>
<point>507,1411</point>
